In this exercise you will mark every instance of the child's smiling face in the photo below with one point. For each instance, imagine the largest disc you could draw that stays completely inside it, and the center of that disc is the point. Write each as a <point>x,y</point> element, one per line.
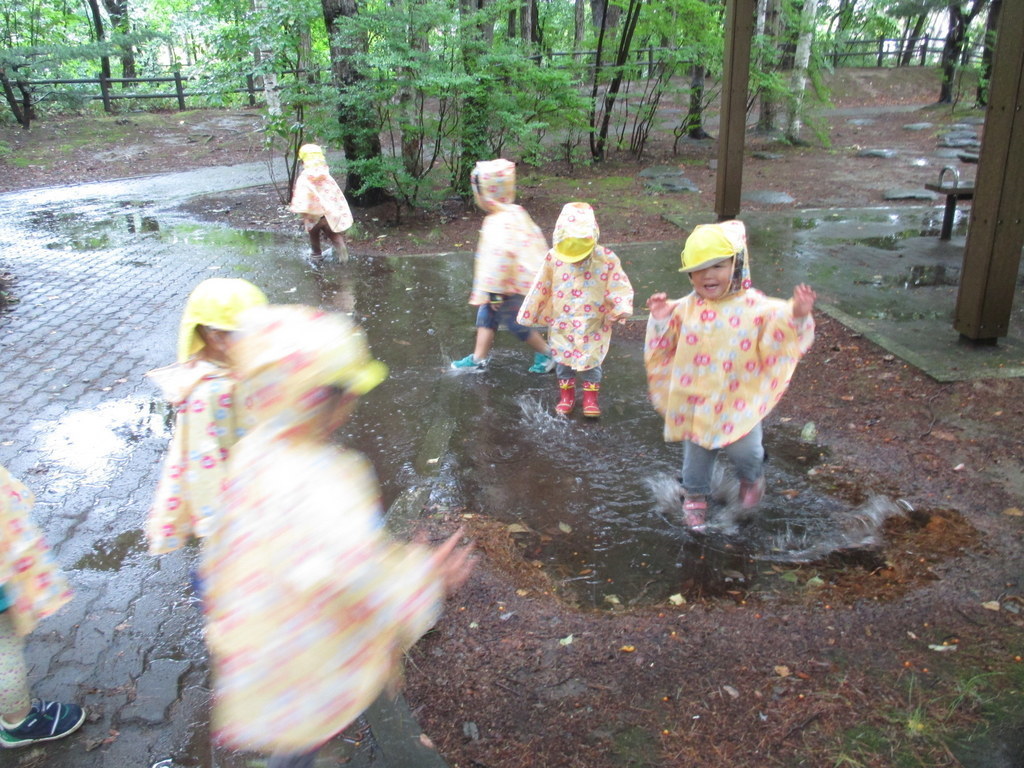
<point>713,282</point>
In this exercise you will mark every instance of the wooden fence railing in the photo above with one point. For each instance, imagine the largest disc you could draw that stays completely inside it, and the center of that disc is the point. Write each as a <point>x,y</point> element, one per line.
<point>876,52</point>
<point>108,96</point>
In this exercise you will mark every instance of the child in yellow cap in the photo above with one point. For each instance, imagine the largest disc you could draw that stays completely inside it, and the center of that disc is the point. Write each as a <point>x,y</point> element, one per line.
<point>201,387</point>
<point>309,603</point>
<point>580,290</point>
<point>508,253</point>
<point>320,201</point>
<point>719,359</point>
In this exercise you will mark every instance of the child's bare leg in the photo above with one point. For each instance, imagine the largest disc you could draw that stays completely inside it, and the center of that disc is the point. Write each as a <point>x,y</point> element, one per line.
<point>484,342</point>
<point>338,243</point>
<point>538,344</point>
<point>314,238</point>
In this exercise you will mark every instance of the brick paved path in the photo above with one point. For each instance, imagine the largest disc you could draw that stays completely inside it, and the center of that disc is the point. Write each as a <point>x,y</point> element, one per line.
<point>99,280</point>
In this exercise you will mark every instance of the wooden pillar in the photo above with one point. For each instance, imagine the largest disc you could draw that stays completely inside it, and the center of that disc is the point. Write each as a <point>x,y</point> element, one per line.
<point>739,31</point>
<point>996,231</point>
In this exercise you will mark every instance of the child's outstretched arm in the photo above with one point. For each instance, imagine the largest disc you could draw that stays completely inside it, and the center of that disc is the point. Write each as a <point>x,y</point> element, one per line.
<point>660,306</point>
<point>803,300</point>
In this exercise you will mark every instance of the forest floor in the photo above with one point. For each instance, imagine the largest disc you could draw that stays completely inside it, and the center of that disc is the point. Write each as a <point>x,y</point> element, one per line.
<point>910,658</point>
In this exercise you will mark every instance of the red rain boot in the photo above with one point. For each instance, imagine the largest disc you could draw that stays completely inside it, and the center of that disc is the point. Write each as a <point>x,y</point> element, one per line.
<point>590,407</point>
<point>567,397</point>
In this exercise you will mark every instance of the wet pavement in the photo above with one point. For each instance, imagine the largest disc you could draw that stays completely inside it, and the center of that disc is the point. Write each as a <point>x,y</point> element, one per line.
<point>101,274</point>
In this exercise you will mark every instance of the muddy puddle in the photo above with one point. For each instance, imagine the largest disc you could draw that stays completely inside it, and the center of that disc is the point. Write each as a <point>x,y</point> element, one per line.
<point>595,503</point>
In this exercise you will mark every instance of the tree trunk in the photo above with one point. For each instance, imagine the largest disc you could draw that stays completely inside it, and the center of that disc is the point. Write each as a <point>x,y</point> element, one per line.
<point>695,113</point>
<point>768,116</point>
<point>801,60</point>
<point>991,26</point>
<point>912,40</point>
<point>959,21</point>
<point>117,12</point>
<point>23,118</point>
<point>473,115</point>
<point>579,25</point>
<point>97,26</point>
<point>271,87</point>
<point>622,55</point>
<point>604,14</point>
<point>360,138</point>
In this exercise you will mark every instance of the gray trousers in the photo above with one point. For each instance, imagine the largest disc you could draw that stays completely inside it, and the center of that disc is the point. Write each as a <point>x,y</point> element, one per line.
<point>747,455</point>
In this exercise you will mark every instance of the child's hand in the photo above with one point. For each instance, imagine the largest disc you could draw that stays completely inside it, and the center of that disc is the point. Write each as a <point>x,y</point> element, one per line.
<point>453,564</point>
<point>660,306</point>
<point>803,300</point>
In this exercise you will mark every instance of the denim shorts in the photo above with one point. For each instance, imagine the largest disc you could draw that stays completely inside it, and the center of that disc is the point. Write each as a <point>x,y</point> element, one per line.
<point>502,310</point>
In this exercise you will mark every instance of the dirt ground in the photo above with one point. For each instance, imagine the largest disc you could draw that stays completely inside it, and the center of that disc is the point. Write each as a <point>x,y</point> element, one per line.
<point>897,659</point>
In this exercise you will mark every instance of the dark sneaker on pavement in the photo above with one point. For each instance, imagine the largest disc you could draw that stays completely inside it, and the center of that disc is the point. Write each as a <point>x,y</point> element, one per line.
<point>46,721</point>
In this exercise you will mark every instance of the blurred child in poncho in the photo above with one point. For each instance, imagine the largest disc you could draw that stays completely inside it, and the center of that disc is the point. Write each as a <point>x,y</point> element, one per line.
<point>508,254</point>
<point>320,201</point>
<point>309,604</point>
<point>32,587</point>
<point>207,423</point>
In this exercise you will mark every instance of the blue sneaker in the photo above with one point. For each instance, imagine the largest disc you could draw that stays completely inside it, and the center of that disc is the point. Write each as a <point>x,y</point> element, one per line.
<point>469,363</point>
<point>542,363</point>
<point>46,721</point>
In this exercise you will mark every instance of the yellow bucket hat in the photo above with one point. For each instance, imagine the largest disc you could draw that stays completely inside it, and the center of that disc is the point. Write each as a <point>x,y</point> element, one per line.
<point>707,245</point>
<point>309,347</point>
<point>311,153</point>
<point>576,232</point>
<point>217,303</point>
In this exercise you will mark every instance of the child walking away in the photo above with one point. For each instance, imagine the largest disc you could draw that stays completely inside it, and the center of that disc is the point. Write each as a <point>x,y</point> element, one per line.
<point>201,387</point>
<point>508,254</point>
<point>31,588</point>
<point>719,359</point>
<point>309,606</point>
<point>321,202</point>
<point>580,290</point>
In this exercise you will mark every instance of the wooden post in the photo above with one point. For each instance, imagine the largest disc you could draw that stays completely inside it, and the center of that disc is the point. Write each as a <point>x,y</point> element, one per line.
<point>739,31</point>
<point>996,231</point>
<point>250,86</point>
<point>179,89</point>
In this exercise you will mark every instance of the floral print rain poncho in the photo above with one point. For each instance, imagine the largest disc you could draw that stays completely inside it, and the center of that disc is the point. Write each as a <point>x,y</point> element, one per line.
<point>309,605</point>
<point>317,194</point>
<point>717,368</point>
<point>511,246</point>
<point>187,495</point>
<point>578,298</point>
<point>207,423</point>
<point>32,583</point>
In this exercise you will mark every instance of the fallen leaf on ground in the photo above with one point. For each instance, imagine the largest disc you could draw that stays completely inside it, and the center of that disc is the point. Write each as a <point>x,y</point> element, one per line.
<point>782,670</point>
<point>991,605</point>
<point>628,648</point>
<point>1013,512</point>
<point>566,640</point>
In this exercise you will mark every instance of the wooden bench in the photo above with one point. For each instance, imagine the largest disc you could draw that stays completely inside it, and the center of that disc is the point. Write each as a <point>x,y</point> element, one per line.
<point>954,192</point>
